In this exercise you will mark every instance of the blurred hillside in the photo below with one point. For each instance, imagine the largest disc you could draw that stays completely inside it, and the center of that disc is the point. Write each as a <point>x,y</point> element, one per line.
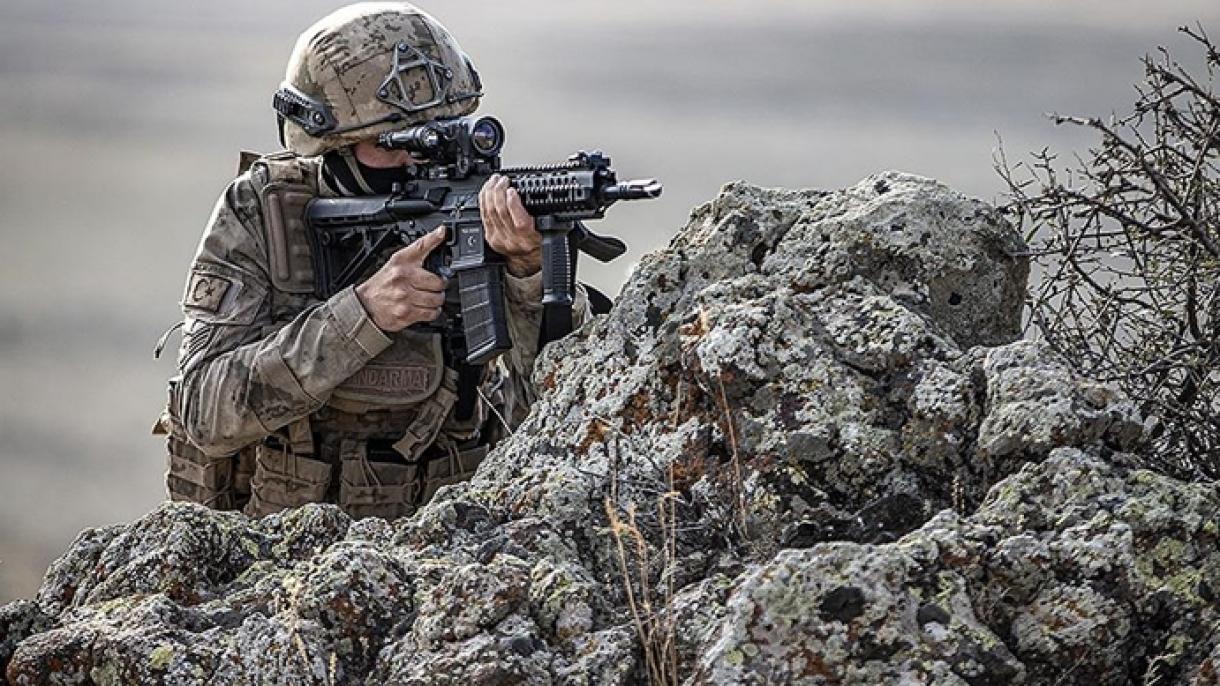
<point>121,122</point>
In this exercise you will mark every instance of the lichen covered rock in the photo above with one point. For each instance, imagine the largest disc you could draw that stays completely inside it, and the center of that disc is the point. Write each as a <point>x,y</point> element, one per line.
<point>1052,578</point>
<point>806,446</point>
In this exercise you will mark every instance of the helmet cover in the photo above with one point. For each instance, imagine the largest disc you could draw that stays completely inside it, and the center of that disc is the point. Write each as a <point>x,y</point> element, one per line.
<point>368,68</point>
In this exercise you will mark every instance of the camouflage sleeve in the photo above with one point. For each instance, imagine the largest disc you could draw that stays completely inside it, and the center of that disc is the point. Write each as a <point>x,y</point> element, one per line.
<point>242,375</point>
<point>524,297</point>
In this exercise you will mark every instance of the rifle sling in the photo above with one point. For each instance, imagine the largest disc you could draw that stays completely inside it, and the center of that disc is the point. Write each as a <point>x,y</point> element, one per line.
<point>469,376</point>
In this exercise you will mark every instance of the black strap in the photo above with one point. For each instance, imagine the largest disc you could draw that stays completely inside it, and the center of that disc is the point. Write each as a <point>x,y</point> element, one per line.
<point>556,323</point>
<point>469,376</point>
<point>599,302</point>
<point>342,171</point>
<point>453,355</point>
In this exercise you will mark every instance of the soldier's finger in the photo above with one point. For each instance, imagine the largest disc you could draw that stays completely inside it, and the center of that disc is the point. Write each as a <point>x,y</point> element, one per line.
<point>500,203</point>
<point>427,300</point>
<point>426,281</point>
<point>484,198</point>
<point>420,247</point>
<point>427,314</point>
<point>522,221</point>
<point>491,219</point>
<point>491,227</point>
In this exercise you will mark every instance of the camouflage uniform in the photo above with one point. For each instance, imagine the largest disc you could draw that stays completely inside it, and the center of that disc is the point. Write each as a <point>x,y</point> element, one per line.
<point>284,398</point>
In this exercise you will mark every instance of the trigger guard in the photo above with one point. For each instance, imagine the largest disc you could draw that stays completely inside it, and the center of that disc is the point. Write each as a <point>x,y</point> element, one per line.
<point>435,263</point>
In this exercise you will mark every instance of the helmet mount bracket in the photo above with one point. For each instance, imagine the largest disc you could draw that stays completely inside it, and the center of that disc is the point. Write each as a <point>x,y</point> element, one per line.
<point>403,94</point>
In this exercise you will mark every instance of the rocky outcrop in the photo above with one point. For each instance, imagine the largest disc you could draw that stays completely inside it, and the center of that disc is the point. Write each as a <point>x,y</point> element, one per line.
<point>805,447</point>
<point>1072,571</point>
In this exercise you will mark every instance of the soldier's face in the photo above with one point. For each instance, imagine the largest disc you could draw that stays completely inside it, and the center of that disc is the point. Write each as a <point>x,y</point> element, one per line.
<point>379,158</point>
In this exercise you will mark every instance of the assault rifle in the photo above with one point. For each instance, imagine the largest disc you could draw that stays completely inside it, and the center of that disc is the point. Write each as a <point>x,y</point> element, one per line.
<point>353,236</point>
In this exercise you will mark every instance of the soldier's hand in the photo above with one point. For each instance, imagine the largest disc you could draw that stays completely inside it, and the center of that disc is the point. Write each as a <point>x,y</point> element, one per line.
<point>403,292</point>
<point>509,228</point>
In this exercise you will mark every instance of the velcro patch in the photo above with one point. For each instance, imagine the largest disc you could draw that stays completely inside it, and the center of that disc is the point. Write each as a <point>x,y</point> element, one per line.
<point>206,291</point>
<point>392,380</point>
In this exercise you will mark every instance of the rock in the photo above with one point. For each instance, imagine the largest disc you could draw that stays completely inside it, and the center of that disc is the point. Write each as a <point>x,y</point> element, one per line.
<point>1051,577</point>
<point>18,621</point>
<point>1035,405</point>
<point>806,446</point>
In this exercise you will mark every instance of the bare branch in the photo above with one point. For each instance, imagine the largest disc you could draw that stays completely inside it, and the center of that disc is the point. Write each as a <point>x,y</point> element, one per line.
<point>1126,241</point>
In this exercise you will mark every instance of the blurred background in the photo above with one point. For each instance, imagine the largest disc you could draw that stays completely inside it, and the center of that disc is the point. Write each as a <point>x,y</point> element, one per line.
<point>121,122</point>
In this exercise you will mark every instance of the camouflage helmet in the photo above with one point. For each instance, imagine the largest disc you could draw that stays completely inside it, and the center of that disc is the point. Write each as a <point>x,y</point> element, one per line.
<point>369,68</point>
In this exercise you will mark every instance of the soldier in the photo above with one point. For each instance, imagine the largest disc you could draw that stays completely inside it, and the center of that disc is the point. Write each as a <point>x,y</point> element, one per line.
<point>284,399</point>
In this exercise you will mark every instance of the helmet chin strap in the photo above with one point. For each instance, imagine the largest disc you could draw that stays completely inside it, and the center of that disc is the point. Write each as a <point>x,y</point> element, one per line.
<point>353,165</point>
<point>356,178</point>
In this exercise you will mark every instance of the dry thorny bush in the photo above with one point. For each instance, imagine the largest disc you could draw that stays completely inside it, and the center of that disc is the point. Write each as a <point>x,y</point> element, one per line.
<point>1127,240</point>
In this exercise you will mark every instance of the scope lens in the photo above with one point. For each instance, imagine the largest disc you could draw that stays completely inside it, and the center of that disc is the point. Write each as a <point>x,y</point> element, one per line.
<point>487,136</point>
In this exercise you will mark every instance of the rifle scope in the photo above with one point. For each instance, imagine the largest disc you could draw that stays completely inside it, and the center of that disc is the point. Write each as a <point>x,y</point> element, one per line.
<point>484,137</point>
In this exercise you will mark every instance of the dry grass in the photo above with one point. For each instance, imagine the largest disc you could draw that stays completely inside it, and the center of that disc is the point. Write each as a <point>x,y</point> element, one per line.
<point>654,623</point>
<point>647,571</point>
<point>737,485</point>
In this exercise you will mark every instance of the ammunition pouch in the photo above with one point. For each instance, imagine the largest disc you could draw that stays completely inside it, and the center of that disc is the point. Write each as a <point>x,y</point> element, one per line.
<point>221,483</point>
<point>243,475</point>
<point>375,489</point>
<point>284,479</point>
<point>286,472</point>
<point>197,478</point>
<point>450,466</point>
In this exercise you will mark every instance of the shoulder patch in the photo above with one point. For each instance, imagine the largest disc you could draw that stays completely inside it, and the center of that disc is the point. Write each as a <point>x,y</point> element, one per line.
<point>206,291</point>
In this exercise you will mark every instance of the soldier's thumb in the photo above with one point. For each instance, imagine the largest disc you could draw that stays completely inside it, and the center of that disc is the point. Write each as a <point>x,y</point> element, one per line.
<point>420,247</point>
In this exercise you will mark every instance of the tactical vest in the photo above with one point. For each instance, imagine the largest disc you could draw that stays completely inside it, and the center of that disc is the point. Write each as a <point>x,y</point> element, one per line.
<point>384,442</point>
